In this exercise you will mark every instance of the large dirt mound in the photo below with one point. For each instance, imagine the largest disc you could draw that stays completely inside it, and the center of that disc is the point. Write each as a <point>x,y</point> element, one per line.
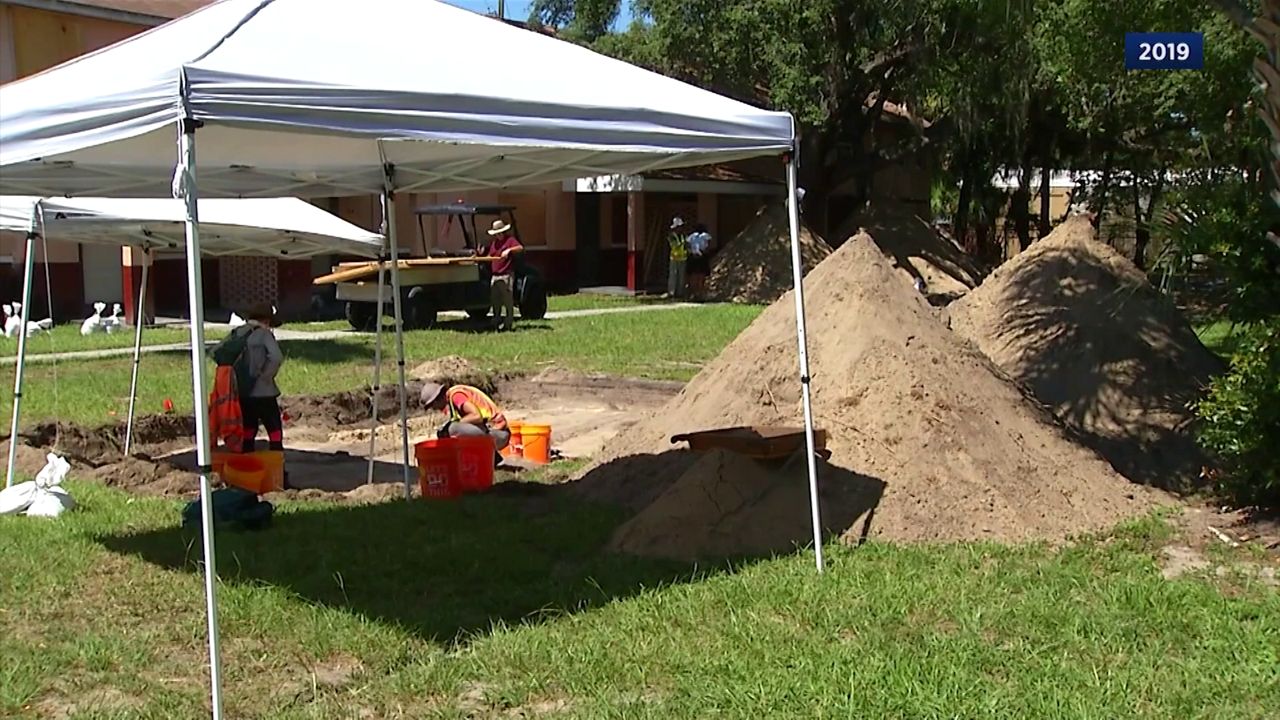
<point>455,370</point>
<point>755,267</point>
<point>727,504</point>
<point>960,451</point>
<point>1081,327</point>
<point>919,251</point>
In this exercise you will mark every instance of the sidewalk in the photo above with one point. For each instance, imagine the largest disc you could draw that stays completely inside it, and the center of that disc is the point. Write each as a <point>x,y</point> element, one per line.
<point>307,336</point>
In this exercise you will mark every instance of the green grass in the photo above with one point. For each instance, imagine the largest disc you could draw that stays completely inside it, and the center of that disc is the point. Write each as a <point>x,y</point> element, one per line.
<point>67,338</point>
<point>589,301</point>
<point>1219,336</point>
<point>494,605</point>
<point>663,345</point>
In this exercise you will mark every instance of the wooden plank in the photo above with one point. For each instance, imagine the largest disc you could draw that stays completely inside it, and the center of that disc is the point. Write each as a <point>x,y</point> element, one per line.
<point>358,271</point>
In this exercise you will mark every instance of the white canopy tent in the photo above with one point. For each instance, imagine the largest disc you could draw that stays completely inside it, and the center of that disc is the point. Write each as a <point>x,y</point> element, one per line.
<point>307,98</point>
<point>273,227</point>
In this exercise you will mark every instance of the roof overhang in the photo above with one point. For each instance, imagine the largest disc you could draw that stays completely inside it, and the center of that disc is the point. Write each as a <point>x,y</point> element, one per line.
<point>640,183</point>
<point>69,7</point>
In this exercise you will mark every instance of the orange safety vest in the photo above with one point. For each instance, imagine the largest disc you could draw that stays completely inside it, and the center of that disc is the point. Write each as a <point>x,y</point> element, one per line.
<point>226,419</point>
<point>487,407</point>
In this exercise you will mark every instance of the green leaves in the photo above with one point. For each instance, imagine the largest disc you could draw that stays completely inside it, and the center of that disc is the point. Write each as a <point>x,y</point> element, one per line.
<point>1241,418</point>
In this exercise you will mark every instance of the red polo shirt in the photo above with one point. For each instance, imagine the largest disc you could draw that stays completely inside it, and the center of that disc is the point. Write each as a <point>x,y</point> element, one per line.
<point>496,246</point>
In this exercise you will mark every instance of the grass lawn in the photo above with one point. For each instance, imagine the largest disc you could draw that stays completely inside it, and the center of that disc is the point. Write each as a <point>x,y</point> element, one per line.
<point>497,605</point>
<point>662,345</point>
<point>67,338</point>
<point>1219,336</point>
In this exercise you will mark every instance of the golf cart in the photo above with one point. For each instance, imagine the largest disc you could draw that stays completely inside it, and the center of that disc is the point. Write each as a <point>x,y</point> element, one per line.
<point>441,281</point>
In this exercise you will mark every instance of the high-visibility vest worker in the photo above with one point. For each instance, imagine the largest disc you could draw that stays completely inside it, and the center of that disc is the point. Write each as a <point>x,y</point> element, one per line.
<point>459,395</point>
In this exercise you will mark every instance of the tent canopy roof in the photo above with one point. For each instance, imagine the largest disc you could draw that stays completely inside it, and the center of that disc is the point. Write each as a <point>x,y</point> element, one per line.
<point>274,227</point>
<point>318,97</point>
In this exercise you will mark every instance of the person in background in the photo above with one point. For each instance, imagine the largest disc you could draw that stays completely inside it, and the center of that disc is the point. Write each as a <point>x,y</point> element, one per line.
<point>260,403</point>
<point>503,245</point>
<point>699,264</point>
<point>679,255</point>
<point>471,414</point>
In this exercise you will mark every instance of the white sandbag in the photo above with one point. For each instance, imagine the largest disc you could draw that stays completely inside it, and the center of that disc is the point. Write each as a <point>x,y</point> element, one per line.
<point>54,471</point>
<point>50,500</point>
<point>50,503</point>
<point>17,498</point>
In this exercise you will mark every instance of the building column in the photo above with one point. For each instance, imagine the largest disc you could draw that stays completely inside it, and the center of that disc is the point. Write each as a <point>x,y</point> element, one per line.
<point>132,261</point>
<point>635,241</point>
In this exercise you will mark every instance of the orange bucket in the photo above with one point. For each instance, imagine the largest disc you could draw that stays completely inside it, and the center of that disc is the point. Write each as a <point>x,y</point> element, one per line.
<point>513,447</point>
<point>535,441</point>
<point>247,473</point>
<point>273,461</point>
<point>438,468</point>
<point>475,463</point>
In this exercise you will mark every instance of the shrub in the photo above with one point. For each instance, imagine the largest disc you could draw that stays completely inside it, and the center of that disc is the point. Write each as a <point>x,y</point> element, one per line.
<point>1240,419</point>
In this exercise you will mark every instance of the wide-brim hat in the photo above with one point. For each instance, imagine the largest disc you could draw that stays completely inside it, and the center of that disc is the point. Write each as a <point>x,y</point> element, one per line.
<point>677,222</point>
<point>431,392</point>
<point>499,227</point>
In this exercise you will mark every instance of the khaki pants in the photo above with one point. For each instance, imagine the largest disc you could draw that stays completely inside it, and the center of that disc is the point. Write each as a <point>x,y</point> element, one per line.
<point>502,296</point>
<point>501,438</point>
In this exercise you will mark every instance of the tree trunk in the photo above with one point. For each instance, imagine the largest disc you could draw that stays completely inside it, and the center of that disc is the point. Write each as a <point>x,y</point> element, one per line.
<point>1021,205</point>
<point>1100,208</point>
<point>1142,219</point>
<point>960,224</point>
<point>1141,232</point>
<point>1046,194</point>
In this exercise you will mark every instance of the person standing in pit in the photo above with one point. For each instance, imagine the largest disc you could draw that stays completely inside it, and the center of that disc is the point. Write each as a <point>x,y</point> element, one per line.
<point>677,258</point>
<point>260,403</point>
<point>503,245</point>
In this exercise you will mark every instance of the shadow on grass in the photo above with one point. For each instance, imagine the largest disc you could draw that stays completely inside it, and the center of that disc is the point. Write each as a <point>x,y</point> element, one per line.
<point>447,570</point>
<point>319,352</point>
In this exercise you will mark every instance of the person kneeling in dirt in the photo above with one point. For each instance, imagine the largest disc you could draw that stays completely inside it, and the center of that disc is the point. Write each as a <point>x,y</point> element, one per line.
<point>471,414</point>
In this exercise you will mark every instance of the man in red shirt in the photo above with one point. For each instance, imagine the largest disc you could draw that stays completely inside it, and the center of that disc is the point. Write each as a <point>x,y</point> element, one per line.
<point>503,245</point>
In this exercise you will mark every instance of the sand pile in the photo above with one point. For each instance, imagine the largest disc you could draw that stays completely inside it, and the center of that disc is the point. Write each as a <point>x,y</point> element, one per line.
<point>727,505</point>
<point>919,251</point>
<point>755,267</point>
<point>454,370</point>
<point>960,452</point>
<point>1081,327</point>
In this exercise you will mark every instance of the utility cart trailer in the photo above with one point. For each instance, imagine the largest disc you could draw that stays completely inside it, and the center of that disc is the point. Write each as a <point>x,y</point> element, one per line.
<point>442,281</point>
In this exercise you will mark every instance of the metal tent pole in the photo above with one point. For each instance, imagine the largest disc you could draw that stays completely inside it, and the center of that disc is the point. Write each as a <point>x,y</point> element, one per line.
<point>28,274</point>
<point>377,360</point>
<point>389,202</point>
<point>797,272</point>
<point>185,189</point>
<point>139,319</point>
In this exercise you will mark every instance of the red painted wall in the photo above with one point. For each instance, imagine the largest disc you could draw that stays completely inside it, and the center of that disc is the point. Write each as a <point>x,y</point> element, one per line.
<point>68,295</point>
<point>293,286</point>
<point>171,285</point>
<point>559,268</point>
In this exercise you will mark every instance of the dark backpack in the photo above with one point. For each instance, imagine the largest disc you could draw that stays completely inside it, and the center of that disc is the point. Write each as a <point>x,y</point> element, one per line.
<point>232,508</point>
<point>233,352</point>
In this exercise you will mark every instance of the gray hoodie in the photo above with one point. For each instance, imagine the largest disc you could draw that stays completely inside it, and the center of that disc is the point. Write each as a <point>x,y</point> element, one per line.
<point>265,360</point>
